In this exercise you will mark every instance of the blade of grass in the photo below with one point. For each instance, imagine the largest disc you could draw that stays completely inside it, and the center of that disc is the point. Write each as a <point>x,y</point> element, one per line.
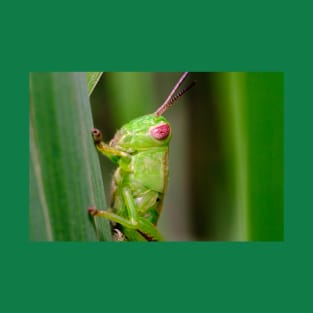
<point>65,176</point>
<point>251,118</point>
<point>92,80</point>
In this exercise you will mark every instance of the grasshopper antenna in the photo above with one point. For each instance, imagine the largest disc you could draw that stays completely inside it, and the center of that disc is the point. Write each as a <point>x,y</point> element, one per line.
<point>171,98</point>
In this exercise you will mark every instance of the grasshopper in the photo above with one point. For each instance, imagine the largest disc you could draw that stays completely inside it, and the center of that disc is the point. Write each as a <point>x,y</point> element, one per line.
<point>140,150</point>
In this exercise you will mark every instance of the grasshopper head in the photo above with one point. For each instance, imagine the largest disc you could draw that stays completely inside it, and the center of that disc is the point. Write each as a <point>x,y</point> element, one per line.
<point>145,132</point>
<point>149,131</point>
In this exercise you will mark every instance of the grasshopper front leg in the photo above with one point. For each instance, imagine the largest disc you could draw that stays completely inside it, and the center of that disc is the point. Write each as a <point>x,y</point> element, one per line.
<point>134,222</point>
<point>110,152</point>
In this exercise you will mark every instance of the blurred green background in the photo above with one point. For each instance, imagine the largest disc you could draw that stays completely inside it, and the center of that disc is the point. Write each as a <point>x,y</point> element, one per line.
<point>226,153</point>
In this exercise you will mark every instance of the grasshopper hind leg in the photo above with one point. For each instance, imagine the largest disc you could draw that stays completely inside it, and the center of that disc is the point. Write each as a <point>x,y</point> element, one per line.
<point>134,228</point>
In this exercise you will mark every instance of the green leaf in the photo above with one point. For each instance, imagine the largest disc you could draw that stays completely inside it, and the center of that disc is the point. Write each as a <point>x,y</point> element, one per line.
<point>92,80</point>
<point>65,176</point>
<point>251,116</point>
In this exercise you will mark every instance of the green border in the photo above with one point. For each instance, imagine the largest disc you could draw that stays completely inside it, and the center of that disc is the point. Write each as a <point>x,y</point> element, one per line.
<point>220,277</point>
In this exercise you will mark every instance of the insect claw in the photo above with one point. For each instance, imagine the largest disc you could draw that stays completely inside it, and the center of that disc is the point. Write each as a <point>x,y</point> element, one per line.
<point>92,211</point>
<point>118,235</point>
<point>96,135</point>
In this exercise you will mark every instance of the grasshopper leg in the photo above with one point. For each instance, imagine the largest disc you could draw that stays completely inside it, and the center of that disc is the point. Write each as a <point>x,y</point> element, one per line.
<point>105,149</point>
<point>135,222</point>
<point>142,225</point>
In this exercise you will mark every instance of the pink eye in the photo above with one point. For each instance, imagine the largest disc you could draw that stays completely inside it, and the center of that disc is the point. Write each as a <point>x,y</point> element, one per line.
<point>160,132</point>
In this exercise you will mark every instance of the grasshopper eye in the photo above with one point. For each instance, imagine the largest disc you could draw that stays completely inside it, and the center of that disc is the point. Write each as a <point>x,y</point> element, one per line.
<point>160,132</point>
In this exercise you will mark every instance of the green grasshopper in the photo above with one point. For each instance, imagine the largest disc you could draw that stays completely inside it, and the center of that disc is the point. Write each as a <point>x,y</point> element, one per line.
<point>140,150</point>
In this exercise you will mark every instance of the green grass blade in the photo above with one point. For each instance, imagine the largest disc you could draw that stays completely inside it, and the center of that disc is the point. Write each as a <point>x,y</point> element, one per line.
<point>265,128</point>
<point>65,177</point>
<point>251,118</point>
<point>92,80</point>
